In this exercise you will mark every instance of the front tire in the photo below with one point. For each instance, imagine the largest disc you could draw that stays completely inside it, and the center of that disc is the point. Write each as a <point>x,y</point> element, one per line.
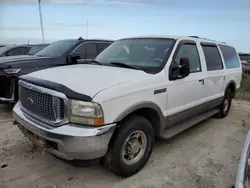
<point>225,106</point>
<point>131,147</point>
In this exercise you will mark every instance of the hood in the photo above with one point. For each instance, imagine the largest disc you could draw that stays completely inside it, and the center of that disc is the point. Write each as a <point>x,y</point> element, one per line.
<point>88,79</point>
<point>20,61</point>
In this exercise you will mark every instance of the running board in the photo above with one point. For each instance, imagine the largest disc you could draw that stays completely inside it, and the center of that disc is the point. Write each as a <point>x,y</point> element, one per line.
<point>169,133</point>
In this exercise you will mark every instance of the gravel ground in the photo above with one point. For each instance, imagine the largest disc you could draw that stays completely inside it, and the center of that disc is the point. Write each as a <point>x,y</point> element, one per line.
<point>205,156</point>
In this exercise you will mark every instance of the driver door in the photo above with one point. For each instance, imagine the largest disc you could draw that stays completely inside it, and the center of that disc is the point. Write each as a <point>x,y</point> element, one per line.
<point>185,95</point>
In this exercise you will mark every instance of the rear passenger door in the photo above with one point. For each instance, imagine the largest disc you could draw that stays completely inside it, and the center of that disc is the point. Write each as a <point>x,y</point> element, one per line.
<point>215,78</point>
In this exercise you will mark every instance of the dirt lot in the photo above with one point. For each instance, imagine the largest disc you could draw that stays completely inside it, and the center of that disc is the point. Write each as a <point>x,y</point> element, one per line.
<point>205,156</point>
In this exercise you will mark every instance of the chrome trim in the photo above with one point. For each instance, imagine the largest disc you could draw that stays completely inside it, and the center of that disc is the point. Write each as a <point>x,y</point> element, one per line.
<point>56,95</point>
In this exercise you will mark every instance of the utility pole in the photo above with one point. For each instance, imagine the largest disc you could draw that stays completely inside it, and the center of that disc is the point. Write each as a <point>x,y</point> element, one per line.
<point>41,19</point>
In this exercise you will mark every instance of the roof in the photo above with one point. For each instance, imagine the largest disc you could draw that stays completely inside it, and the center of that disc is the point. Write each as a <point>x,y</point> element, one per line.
<point>86,40</point>
<point>40,44</point>
<point>9,46</point>
<point>195,38</point>
<point>101,40</point>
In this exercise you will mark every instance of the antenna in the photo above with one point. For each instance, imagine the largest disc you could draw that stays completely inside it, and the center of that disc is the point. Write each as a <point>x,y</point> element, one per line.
<point>41,18</point>
<point>87,27</point>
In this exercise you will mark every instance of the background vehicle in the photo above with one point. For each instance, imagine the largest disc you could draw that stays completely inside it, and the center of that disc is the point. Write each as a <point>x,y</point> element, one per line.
<point>36,48</point>
<point>60,53</point>
<point>243,173</point>
<point>137,89</point>
<point>245,61</point>
<point>13,50</point>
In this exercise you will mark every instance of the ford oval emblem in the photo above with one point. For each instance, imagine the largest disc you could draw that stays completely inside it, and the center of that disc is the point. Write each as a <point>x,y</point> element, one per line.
<point>31,100</point>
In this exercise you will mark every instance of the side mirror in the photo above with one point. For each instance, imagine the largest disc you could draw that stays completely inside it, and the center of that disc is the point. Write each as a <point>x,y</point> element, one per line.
<point>75,55</point>
<point>179,70</point>
<point>184,67</point>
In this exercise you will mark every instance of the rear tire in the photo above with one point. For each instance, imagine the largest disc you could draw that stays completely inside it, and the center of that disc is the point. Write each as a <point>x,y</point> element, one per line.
<point>130,147</point>
<point>225,106</point>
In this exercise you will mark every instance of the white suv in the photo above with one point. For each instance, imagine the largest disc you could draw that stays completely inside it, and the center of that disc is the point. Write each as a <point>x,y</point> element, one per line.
<point>137,89</point>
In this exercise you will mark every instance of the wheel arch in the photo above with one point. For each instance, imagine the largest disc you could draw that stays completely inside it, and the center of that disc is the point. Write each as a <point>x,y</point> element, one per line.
<point>148,110</point>
<point>232,86</point>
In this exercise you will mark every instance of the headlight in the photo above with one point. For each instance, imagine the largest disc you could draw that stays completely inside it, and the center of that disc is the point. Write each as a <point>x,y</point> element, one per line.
<point>87,113</point>
<point>11,71</point>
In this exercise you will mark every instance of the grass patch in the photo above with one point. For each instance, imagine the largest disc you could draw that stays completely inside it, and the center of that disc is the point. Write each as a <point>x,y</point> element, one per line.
<point>244,91</point>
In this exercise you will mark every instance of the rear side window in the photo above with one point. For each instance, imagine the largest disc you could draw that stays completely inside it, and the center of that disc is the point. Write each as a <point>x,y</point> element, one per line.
<point>213,58</point>
<point>230,56</point>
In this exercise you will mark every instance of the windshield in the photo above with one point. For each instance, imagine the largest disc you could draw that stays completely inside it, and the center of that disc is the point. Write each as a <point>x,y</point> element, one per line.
<point>143,53</point>
<point>36,48</point>
<point>57,48</point>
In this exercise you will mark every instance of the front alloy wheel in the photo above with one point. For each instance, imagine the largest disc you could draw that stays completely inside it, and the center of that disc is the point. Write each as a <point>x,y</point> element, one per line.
<point>130,147</point>
<point>134,147</point>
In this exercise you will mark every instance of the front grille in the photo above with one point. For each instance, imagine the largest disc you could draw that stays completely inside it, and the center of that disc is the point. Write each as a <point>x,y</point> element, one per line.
<point>42,105</point>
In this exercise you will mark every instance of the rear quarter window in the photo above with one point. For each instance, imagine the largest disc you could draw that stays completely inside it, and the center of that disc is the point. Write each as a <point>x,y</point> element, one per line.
<point>230,56</point>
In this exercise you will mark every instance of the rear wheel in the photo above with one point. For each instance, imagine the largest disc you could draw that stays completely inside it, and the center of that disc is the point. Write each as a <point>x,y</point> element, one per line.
<point>225,106</point>
<point>131,147</point>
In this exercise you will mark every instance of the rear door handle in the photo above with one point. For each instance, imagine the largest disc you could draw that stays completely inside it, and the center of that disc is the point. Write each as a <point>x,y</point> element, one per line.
<point>202,81</point>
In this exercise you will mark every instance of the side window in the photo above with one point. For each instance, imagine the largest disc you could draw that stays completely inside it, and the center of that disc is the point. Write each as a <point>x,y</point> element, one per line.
<point>17,51</point>
<point>213,58</point>
<point>91,50</point>
<point>189,51</point>
<point>81,50</point>
<point>87,50</point>
<point>230,56</point>
<point>27,49</point>
<point>102,46</point>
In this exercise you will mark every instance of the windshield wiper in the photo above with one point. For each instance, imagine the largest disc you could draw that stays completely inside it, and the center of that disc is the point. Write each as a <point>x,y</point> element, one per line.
<point>125,65</point>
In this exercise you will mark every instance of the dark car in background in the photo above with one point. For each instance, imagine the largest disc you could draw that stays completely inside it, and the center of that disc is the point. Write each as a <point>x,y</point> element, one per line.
<point>36,48</point>
<point>59,53</point>
<point>245,61</point>
<point>13,50</point>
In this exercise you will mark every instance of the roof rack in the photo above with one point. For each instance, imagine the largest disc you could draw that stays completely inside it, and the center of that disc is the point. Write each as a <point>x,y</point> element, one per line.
<point>205,39</point>
<point>194,36</point>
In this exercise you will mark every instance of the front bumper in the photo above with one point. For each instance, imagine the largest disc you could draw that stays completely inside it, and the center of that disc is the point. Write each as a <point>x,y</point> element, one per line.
<point>69,141</point>
<point>240,177</point>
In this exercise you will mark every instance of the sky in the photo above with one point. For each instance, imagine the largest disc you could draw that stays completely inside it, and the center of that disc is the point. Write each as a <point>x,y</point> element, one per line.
<point>222,20</point>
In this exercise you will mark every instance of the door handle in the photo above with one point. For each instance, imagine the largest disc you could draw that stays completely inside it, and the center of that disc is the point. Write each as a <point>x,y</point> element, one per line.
<point>202,81</point>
